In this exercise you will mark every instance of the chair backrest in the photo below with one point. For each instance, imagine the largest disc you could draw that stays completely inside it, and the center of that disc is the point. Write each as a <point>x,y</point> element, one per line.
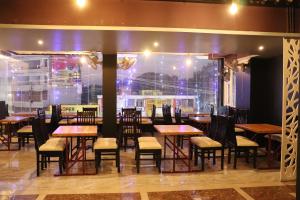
<point>41,113</point>
<point>86,118</point>
<point>153,114</point>
<point>39,139</point>
<point>129,122</point>
<point>138,117</point>
<point>91,109</point>
<point>212,109</point>
<point>6,110</point>
<point>230,135</point>
<point>213,127</point>
<point>222,129</point>
<point>167,114</point>
<point>128,111</point>
<point>178,115</point>
<point>241,116</point>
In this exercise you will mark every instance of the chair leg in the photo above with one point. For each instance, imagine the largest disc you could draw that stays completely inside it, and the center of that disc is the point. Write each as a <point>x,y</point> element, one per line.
<point>60,163</point>
<point>254,157</point>
<point>37,164</point>
<point>214,157</point>
<point>118,160</point>
<point>138,162</point>
<point>222,158</point>
<point>229,155</point>
<point>235,158</point>
<point>125,141</point>
<point>202,159</point>
<point>159,161</point>
<point>190,150</point>
<point>247,155</point>
<point>195,155</point>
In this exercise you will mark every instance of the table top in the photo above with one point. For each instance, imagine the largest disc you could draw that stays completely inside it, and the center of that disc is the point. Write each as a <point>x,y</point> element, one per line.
<point>74,131</point>
<point>13,119</point>
<point>204,120</point>
<point>24,114</point>
<point>177,130</point>
<point>261,128</point>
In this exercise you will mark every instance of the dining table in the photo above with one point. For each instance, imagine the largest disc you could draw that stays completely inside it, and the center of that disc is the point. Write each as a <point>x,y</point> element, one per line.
<point>8,133</point>
<point>77,153</point>
<point>170,133</point>
<point>202,121</point>
<point>266,130</point>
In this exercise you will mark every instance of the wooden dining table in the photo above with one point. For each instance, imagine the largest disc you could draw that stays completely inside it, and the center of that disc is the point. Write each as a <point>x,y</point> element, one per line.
<point>7,134</point>
<point>170,133</point>
<point>76,154</point>
<point>263,129</point>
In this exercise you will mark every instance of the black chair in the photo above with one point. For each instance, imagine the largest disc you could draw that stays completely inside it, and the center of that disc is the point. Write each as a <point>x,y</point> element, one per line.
<point>130,128</point>
<point>148,146</point>
<point>155,121</point>
<point>107,146</point>
<point>86,118</point>
<point>46,148</point>
<point>240,144</point>
<point>166,110</point>
<point>215,141</point>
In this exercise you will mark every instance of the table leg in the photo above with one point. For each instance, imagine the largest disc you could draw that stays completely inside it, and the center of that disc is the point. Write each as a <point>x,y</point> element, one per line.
<point>174,152</point>
<point>165,146</point>
<point>84,153</point>
<point>269,152</point>
<point>67,155</point>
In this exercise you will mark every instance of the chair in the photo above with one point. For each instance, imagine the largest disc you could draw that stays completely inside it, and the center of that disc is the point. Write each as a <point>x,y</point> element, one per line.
<point>86,118</point>
<point>238,144</point>
<point>153,117</point>
<point>91,110</point>
<point>130,128</point>
<point>215,141</point>
<point>107,146</point>
<point>166,110</point>
<point>46,148</point>
<point>148,146</point>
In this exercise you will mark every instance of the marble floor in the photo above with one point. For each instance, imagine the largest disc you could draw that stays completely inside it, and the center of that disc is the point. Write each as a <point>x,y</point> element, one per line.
<point>18,180</point>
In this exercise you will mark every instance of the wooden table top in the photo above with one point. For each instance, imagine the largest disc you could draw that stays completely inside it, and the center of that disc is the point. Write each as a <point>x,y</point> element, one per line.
<point>261,128</point>
<point>24,114</point>
<point>177,130</point>
<point>74,131</point>
<point>203,120</point>
<point>13,119</point>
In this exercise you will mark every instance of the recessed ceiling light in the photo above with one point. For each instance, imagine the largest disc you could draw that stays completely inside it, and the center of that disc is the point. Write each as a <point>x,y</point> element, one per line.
<point>233,9</point>
<point>81,3</point>
<point>147,52</point>
<point>174,67</point>
<point>188,62</point>
<point>40,42</point>
<point>155,44</point>
<point>260,48</point>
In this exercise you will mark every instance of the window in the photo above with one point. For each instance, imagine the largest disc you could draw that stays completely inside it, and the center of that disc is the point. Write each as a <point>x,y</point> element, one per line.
<point>188,82</point>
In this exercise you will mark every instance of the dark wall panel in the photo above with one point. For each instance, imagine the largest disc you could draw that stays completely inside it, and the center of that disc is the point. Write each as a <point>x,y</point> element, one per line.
<point>266,90</point>
<point>243,89</point>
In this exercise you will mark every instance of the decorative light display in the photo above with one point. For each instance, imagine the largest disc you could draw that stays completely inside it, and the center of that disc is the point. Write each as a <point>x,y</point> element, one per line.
<point>126,62</point>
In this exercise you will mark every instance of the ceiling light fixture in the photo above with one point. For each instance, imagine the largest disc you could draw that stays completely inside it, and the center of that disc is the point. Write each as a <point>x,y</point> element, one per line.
<point>174,67</point>
<point>81,3</point>
<point>83,60</point>
<point>155,44</point>
<point>233,9</point>
<point>260,48</point>
<point>40,42</point>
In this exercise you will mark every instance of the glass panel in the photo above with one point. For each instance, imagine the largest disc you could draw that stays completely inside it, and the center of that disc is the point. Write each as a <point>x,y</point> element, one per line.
<point>188,82</point>
<point>29,82</point>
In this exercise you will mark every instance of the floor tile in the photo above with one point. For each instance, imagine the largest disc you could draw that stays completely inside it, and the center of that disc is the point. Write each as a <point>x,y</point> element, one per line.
<point>271,192</point>
<point>103,196</point>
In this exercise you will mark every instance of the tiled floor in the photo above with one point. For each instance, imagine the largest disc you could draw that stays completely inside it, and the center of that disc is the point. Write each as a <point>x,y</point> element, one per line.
<point>18,177</point>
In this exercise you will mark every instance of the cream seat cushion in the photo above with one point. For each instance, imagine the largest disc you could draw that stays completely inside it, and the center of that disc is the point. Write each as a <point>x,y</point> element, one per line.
<point>63,122</point>
<point>48,121</point>
<point>238,130</point>
<point>245,142</point>
<point>205,142</point>
<point>25,129</point>
<point>149,145</point>
<point>106,143</point>
<point>57,139</point>
<point>147,139</point>
<point>52,146</point>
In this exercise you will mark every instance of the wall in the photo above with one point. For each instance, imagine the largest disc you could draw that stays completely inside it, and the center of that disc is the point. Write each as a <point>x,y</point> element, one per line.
<point>242,89</point>
<point>266,90</point>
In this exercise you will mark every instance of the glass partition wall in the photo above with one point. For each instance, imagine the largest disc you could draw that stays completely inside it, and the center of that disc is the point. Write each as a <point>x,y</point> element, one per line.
<point>28,82</point>
<point>188,82</point>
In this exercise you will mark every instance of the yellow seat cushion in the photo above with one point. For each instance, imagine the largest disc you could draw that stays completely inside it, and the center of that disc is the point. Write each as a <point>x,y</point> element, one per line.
<point>149,145</point>
<point>245,142</point>
<point>52,146</point>
<point>147,139</point>
<point>205,142</point>
<point>63,122</point>
<point>238,130</point>
<point>25,129</point>
<point>106,143</point>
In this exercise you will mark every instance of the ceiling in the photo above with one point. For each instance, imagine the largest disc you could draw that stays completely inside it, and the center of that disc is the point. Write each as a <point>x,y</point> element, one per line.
<point>112,41</point>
